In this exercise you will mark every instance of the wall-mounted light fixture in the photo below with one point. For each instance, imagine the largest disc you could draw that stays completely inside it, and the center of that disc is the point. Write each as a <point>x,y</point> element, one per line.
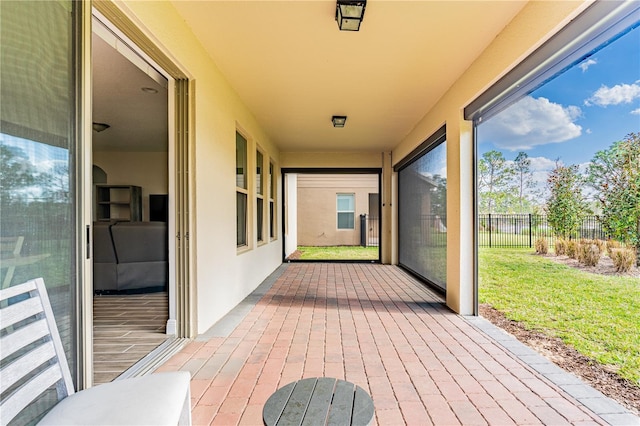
<point>100,127</point>
<point>349,14</point>
<point>339,120</point>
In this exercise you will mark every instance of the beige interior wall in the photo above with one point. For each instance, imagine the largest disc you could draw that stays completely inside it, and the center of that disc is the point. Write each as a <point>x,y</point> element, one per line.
<point>145,169</point>
<point>528,30</point>
<point>224,276</point>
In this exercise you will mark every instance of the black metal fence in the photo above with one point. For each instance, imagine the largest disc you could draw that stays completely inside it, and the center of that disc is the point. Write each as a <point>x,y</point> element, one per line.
<point>429,230</point>
<point>522,230</point>
<point>369,231</point>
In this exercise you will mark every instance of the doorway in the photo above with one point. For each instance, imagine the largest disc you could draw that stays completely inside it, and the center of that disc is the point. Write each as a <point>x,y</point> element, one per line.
<point>332,215</point>
<point>130,155</point>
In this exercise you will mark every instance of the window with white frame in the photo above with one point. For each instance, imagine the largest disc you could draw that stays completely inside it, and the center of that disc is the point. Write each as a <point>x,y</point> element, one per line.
<point>272,204</point>
<point>346,210</point>
<point>241,191</point>
<point>260,195</point>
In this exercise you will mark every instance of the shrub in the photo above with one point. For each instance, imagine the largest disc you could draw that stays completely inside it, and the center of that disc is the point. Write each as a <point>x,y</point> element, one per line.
<point>601,245</point>
<point>578,255</point>
<point>623,258</point>
<point>542,247</point>
<point>572,249</point>
<point>561,247</point>
<point>589,254</point>
<point>612,244</point>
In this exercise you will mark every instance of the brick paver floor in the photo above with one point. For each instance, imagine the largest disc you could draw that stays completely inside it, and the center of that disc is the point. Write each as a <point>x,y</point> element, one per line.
<point>377,327</point>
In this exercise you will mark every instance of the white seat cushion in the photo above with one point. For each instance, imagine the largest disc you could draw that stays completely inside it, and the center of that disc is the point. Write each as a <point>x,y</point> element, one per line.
<point>156,399</point>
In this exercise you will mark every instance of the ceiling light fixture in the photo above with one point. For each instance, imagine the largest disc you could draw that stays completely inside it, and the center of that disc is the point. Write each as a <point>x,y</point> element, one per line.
<point>339,120</point>
<point>100,127</point>
<point>349,14</point>
<point>149,90</point>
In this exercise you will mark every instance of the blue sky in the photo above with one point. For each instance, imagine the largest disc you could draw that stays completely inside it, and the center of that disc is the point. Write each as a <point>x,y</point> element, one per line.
<point>580,112</point>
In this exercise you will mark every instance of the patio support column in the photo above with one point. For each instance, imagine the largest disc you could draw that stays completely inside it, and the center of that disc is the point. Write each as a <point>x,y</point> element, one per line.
<point>386,239</point>
<point>460,273</point>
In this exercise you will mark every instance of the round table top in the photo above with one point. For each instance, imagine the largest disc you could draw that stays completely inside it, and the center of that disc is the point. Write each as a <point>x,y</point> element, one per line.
<point>319,401</point>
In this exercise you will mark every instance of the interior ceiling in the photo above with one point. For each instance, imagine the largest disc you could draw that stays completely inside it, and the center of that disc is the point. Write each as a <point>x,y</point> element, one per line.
<point>138,119</point>
<point>294,69</point>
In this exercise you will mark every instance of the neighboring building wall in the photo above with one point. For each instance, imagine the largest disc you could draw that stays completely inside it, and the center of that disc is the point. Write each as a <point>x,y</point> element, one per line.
<point>317,209</point>
<point>148,170</point>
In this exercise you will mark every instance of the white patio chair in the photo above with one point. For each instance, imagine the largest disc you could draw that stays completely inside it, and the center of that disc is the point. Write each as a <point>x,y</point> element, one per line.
<point>33,362</point>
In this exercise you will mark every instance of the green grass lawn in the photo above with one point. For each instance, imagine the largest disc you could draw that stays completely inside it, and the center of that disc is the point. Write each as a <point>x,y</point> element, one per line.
<point>598,315</point>
<point>338,253</point>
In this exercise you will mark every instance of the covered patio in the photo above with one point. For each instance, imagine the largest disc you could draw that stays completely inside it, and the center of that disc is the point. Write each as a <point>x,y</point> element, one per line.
<point>376,326</point>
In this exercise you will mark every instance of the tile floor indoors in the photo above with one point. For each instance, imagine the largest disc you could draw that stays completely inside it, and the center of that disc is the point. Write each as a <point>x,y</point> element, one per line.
<point>376,326</point>
<point>125,329</point>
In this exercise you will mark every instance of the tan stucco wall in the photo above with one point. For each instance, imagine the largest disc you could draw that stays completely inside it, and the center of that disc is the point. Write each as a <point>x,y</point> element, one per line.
<point>222,276</point>
<point>529,29</point>
<point>331,159</point>
<point>317,209</point>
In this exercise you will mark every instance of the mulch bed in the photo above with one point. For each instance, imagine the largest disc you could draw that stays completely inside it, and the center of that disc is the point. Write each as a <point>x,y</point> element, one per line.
<point>604,267</point>
<point>601,377</point>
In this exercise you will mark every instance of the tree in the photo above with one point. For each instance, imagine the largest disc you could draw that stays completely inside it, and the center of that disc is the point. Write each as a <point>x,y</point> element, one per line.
<point>566,206</point>
<point>494,177</point>
<point>17,174</point>
<point>56,183</point>
<point>523,176</point>
<point>615,174</point>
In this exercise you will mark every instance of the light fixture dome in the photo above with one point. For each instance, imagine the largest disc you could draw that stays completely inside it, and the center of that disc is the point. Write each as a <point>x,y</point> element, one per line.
<point>100,127</point>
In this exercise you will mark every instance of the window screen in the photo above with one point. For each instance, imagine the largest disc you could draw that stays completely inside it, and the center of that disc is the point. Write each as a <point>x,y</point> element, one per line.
<point>38,198</point>
<point>422,213</point>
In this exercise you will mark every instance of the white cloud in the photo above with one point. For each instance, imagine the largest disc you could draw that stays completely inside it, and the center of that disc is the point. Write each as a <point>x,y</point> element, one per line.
<point>586,64</point>
<point>584,167</point>
<point>636,111</point>
<point>543,164</point>
<point>540,168</point>
<point>618,94</point>
<point>530,122</point>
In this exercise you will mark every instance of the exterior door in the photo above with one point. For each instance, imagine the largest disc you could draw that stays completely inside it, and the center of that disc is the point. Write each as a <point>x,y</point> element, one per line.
<point>39,203</point>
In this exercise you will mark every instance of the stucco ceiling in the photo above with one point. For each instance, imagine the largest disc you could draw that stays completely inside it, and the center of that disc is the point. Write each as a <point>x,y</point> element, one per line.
<point>294,69</point>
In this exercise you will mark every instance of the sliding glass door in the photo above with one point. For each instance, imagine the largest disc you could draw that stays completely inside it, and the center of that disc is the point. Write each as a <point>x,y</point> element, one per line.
<point>38,201</point>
